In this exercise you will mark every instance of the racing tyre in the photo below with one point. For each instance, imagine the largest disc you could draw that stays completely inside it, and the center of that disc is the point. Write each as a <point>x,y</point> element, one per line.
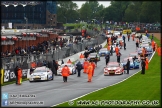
<point>47,78</point>
<point>30,81</point>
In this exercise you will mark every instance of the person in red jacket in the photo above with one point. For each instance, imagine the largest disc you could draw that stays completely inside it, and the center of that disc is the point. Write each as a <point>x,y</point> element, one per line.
<point>65,72</point>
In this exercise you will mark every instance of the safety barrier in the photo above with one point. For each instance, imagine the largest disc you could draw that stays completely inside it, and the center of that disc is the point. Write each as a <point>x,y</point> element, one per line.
<point>72,51</point>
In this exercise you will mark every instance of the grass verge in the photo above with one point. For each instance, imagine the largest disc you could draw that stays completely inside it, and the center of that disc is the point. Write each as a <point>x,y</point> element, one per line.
<point>138,87</point>
<point>12,82</point>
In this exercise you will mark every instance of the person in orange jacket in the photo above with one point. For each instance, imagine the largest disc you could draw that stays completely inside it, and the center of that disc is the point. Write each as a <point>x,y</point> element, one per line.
<point>90,72</point>
<point>69,61</point>
<point>143,52</point>
<point>94,66</point>
<point>109,42</point>
<point>159,51</point>
<point>85,66</point>
<point>146,62</point>
<point>81,55</point>
<point>108,47</point>
<point>121,44</point>
<point>19,76</point>
<point>116,50</point>
<point>156,46</point>
<point>152,44</point>
<point>65,73</point>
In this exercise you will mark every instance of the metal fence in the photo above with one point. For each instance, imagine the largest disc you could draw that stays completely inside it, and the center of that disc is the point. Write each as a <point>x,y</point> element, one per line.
<point>58,54</point>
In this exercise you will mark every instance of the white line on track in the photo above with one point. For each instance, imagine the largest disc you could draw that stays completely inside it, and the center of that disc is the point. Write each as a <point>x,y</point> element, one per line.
<point>54,89</point>
<point>103,87</point>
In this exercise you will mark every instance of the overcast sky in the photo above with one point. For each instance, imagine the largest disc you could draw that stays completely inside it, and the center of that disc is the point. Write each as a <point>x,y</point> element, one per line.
<point>104,3</point>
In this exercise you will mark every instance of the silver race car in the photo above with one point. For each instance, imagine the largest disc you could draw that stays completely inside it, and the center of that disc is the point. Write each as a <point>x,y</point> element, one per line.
<point>41,73</point>
<point>70,66</point>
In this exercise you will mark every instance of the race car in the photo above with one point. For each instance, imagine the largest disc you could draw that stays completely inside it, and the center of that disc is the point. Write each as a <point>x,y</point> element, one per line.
<point>131,55</point>
<point>92,57</point>
<point>81,61</point>
<point>115,46</point>
<point>133,65</point>
<point>41,73</point>
<point>103,52</point>
<point>137,35</point>
<point>148,48</point>
<point>71,67</point>
<point>119,39</point>
<point>116,33</point>
<point>113,68</point>
<point>91,49</point>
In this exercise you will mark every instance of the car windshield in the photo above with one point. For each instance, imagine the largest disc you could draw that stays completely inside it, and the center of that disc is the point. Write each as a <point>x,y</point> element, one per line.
<point>93,54</point>
<point>103,49</point>
<point>113,65</point>
<point>39,70</point>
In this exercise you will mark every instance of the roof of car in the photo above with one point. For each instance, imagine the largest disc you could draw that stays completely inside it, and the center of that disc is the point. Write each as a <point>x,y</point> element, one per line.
<point>40,68</point>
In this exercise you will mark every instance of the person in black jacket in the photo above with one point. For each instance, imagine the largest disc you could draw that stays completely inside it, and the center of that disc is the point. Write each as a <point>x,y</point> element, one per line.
<point>107,58</point>
<point>79,67</point>
<point>124,46</point>
<point>111,50</point>
<point>118,57</point>
<point>16,74</point>
<point>55,65</point>
<point>143,66</point>
<point>128,66</point>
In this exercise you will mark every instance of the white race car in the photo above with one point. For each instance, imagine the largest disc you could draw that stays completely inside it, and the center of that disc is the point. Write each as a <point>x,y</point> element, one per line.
<point>71,67</point>
<point>137,35</point>
<point>41,73</point>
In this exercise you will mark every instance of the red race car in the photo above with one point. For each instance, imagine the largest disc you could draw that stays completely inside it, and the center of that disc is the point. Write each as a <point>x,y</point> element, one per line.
<point>113,68</point>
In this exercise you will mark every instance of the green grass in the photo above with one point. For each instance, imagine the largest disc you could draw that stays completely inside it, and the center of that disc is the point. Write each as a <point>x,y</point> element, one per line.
<point>138,87</point>
<point>12,82</point>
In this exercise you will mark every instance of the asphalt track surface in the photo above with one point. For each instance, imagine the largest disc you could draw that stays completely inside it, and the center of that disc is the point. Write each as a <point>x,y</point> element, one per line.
<point>56,91</point>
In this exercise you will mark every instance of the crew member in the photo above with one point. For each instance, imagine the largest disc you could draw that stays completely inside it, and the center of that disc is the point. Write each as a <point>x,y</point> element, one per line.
<point>94,66</point>
<point>81,55</point>
<point>118,57</point>
<point>69,61</point>
<point>65,73</point>
<point>124,46</point>
<point>116,50</point>
<point>128,66</point>
<point>16,74</point>
<point>85,66</point>
<point>89,72</point>
<point>107,58</point>
<point>79,67</point>
<point>159,51</point>
<point>143,66</point>
<point>108,47</point>
<point>19,76</point>
<point>146,62</point>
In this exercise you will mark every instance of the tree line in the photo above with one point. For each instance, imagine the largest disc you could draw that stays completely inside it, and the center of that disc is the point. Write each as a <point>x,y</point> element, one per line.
<point>118,11</point>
